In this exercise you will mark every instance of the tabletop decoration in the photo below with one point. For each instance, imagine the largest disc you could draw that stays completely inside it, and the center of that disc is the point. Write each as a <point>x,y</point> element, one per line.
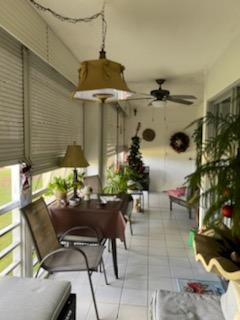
<point>86,192</point>
<point>58,187</point>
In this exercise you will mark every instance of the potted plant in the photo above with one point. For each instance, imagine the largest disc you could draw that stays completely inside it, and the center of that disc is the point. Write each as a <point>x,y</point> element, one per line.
<point>217,172</point>
<point>117,179</point>
<point>58,187</point>
<point>80,180</point>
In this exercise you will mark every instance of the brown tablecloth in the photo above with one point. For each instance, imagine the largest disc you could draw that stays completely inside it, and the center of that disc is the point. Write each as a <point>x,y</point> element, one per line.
<point>109,219</point>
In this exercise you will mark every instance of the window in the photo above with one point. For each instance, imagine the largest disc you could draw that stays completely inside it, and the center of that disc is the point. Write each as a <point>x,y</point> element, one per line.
<point>10,235</point>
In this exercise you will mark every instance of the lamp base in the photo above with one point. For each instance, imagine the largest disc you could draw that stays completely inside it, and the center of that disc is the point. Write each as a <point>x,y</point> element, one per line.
<point>75,198</point>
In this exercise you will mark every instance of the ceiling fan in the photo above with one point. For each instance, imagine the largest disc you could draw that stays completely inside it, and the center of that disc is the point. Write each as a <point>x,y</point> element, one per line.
<point>161,94</point>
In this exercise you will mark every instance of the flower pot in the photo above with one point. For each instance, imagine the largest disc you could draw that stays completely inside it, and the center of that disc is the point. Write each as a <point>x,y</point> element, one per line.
<point>60,195</point>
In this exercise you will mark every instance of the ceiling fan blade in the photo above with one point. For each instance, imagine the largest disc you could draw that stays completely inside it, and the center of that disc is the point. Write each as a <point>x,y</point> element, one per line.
<point>141,93</point>
<point>177,100</point>
<point>183,96</point>
<point>150,103</point>
<point>133,99</point>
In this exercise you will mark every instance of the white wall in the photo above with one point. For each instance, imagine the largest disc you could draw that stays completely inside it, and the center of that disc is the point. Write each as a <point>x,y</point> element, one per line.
<point>225,73</point>
<point>167,168</point>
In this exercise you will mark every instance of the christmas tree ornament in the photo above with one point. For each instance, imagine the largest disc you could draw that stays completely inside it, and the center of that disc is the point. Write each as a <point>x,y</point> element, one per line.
<point>227,211</point>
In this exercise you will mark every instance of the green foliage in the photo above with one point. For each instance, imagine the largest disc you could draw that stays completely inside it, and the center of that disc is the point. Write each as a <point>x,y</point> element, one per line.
<point>117,179</point>
<point>58,184</point>
<point>70,180</point>
<point>218,167</point>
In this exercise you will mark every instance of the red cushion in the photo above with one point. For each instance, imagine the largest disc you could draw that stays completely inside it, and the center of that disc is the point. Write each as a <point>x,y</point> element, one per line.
<point>179,192</point>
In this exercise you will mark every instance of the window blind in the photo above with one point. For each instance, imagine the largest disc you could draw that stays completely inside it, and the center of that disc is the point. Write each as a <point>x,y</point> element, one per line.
<point>120,131</point>
<point>109,135</point>
<point>56,119</point>
<point>11,100</point>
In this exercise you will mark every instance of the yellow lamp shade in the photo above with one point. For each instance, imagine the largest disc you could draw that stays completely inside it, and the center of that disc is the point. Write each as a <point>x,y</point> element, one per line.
<point>102,79</point>
<point>74,157</point>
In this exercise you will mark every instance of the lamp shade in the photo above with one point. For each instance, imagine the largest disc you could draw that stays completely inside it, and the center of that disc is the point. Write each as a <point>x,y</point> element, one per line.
<point>100,80</point>
<point>74,157</point>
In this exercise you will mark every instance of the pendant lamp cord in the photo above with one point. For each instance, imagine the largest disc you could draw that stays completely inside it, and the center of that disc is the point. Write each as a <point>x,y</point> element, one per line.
<point>77,20</point>
<point>104,27</point>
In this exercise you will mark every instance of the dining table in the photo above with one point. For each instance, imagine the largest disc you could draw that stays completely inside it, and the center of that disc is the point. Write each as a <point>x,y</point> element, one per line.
<point>108,218</point>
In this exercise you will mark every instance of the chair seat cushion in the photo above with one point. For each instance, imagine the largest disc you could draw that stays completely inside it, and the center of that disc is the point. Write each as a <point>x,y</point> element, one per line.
<point>28,298</point>
<point>167,305</point>
<point>178,192</point>
<point>71,260</point>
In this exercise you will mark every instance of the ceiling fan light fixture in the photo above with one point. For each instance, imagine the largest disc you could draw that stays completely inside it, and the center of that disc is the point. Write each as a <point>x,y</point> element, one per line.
<point>158,103</point>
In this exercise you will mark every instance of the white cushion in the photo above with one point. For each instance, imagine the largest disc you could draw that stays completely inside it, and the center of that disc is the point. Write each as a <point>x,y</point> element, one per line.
<point>230,302</point>
<point>167,305</point>
<point>28,298</point>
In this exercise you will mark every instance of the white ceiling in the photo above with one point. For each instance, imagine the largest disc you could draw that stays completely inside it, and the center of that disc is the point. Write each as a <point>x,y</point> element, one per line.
<point>152,38</point>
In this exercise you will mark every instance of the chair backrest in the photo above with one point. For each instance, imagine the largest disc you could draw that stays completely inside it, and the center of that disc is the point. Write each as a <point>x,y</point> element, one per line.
<point>39,222</point>
<point>94,182</point>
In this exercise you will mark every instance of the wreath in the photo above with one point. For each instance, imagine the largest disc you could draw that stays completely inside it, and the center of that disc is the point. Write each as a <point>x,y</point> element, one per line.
<point>179,141</point>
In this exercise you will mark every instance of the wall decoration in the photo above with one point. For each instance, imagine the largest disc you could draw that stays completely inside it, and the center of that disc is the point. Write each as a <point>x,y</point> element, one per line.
<point>179,141</point>
<point>25,172</point>
<point>148,135</point>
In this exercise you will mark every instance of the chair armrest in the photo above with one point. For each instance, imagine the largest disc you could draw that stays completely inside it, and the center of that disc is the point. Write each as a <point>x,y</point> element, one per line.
<point>61,238</point>
<point>61,250</point>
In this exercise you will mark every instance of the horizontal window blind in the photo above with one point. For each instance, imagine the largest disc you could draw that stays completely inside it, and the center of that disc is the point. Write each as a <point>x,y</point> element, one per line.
<point>109,135</point>
<point>11,100</point>
<point>120,131</point>
<point>56,119</point>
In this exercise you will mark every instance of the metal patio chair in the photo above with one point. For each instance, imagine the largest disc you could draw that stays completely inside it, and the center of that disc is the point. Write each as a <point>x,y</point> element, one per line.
<point>52,255</point>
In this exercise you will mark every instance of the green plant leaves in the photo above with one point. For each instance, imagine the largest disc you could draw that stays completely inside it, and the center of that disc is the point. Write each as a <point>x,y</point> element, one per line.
<point>217,172</point>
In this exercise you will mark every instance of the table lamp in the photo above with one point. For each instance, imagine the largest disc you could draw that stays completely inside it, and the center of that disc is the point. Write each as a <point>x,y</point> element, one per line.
<point>74,158</point>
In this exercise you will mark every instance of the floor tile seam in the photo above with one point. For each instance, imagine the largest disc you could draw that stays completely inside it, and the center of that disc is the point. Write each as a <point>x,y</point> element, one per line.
<point>122,287</point>
<point>95,286</point>
<point>148,251</point>
<point>124,275</point>
<point>171,214</point>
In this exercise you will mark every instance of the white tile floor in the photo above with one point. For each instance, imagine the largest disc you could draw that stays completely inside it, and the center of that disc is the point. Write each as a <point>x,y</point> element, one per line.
<point>157,254</point>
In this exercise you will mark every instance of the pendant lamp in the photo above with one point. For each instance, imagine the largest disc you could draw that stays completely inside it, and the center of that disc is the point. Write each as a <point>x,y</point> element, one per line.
<point>99,80</point>
<point>102,80</point>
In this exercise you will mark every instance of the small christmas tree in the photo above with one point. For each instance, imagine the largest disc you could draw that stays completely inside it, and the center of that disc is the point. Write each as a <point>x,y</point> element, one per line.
<point>135,158</point>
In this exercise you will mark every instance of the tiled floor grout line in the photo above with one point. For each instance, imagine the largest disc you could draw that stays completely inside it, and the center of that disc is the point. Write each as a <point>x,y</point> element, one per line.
<point>124,277</point>
<point>148,262</point>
